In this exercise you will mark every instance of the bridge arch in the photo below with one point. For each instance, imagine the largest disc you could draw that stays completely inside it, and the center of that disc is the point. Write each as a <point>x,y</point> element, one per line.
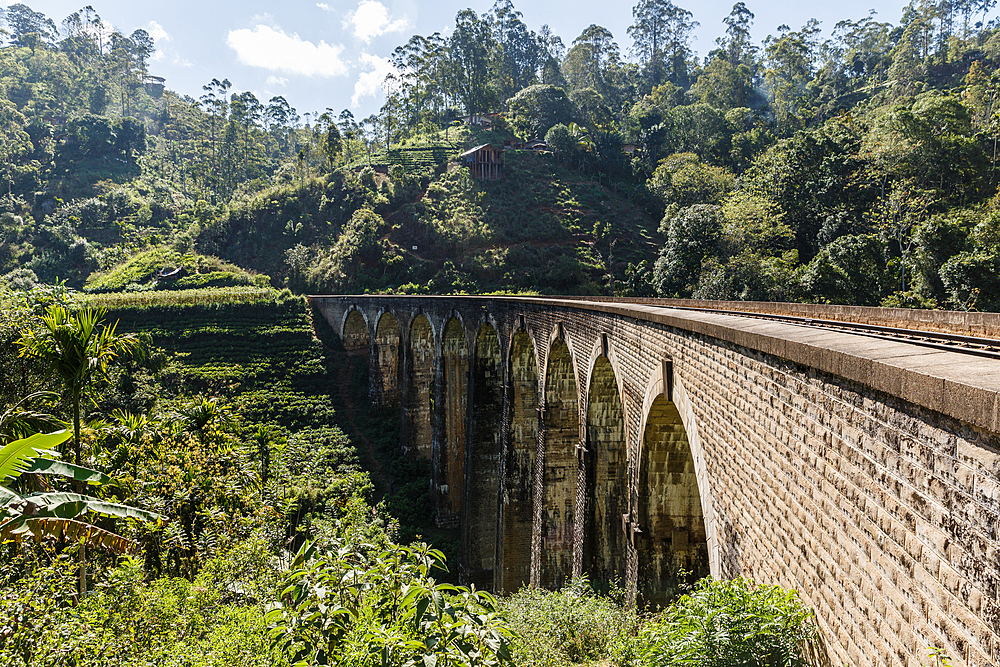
<point>560,467</point>
<point>606,485</point>
<point>483,477</point>
<point>669,530</point>
<point>387,360</point>
<point>354,331</point>
<point>517,543</point>
<point>454,387</point>
<point>420,390</point>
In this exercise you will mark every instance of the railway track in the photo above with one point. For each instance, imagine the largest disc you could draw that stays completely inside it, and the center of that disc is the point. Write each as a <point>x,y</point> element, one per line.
<point>983,347</point>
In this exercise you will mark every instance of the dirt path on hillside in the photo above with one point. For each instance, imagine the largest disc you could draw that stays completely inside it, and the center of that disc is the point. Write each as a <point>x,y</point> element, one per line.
<point>365,445</point>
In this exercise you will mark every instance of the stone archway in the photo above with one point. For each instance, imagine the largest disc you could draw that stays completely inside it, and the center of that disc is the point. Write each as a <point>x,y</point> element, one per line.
<point>420,394</point>
<point>671,539</point>
<point>455,394</point>
<point>483,485</point>
<point>605,461</point>
<point>562,436</point>
<point>522,443</point>
<point>355,335</point>
<point>387,361</point>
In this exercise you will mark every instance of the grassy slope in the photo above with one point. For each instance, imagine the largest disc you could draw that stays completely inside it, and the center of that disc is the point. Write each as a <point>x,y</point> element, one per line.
<point>536,230</point>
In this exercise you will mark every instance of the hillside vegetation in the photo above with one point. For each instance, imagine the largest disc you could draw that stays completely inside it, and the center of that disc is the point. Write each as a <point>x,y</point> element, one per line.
<point>855,167</point>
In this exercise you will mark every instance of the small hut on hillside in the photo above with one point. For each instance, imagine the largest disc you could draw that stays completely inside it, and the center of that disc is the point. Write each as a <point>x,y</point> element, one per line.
<point>485,162</point>
<point>483,120</point>
<point>155,85</point>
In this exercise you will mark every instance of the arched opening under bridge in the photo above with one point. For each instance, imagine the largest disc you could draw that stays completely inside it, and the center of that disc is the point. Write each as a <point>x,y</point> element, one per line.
<point>420,392</point>
<point>519,467</point>
<point>604,549</point>
<point>385,382</point>
<point>561,468</point>
<point>455,395</point>
<point>672,546</point>
<point>483,486</point>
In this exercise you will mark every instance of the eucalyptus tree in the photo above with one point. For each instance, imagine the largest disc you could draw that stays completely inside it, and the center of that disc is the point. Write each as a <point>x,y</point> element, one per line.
<point>519,51</point>
<point>737,42</point>
<point>662,39</point>
<point>423,75</point>
<point>247,112</point>
<point>470,47</point>
<point>590,58</point>
<point>790,61</point>
<point>23,21</point>
<point>216,102</point>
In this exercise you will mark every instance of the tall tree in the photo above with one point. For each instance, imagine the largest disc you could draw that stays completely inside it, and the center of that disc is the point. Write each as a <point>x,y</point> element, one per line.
<point>590,58</point>
<point>790,59</point>
<point>78,347</point>
<point>519,52</point>
<point>23,21</point>
<point>737,42</point>
<point>471,45</point>
<point>661,37</point>
<point>216,102</point>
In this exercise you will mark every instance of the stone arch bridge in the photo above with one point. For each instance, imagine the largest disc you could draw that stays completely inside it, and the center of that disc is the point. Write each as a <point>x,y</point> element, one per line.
<point>638,440</point>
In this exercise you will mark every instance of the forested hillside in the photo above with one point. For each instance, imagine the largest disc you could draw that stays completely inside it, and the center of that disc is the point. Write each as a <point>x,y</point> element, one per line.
<point>852,166</point>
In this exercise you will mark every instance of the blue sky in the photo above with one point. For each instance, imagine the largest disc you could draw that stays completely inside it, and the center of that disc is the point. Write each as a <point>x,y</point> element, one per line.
<point>334,53</point>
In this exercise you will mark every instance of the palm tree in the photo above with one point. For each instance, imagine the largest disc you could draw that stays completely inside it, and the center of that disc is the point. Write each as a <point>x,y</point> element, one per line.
<point>77,347</point>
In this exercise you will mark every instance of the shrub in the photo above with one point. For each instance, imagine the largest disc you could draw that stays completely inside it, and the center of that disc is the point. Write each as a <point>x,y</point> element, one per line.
<point>363,606</point>
<point>731,623</point>
<point>568,626</point>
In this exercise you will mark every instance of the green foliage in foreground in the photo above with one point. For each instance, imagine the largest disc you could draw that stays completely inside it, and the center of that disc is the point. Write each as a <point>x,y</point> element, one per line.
<point>216,620</point>
<point>366,606</point>
<point>570,626</point>
<point>729,624</point>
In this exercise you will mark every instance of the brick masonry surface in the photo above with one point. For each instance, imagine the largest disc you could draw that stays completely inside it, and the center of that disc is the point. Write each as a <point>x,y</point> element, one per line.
<point>864,473</point>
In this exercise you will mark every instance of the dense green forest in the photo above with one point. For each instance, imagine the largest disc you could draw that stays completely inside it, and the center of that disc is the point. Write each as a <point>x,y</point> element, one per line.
<point>858,167</point>
<point>204,482</point>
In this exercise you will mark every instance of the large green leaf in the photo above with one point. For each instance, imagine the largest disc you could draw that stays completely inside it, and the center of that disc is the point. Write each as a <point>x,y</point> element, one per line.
<point>36,528</point>
<point>62,504</point>
<point>14,456</point>
<point>74,472</point>
<point>7,496</point>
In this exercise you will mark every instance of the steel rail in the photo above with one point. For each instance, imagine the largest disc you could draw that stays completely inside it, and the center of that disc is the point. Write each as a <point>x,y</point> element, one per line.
<point>983,347</point>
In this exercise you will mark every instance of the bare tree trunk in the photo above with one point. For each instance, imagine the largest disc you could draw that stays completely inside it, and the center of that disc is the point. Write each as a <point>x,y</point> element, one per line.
<point>77,486</point>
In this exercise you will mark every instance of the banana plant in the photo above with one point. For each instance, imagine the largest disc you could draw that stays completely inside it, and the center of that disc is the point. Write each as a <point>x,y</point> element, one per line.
<point>57,513</point>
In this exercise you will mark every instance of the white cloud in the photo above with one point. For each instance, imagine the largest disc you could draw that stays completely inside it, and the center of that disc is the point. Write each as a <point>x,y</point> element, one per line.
<point>325,7</point>
<point>182,62</point>
<point>276,81</point>
<point>273,49</point>
<point>157,32</point>
<point>370,82</point>
<point>371,19</point>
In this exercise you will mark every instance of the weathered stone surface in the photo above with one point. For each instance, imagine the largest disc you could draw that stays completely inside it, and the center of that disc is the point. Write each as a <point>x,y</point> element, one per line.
<point>863,472</point>
<point>420,390</point>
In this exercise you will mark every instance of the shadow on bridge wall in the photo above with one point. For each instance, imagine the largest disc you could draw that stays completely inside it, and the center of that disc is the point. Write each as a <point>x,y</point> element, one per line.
<point>537,470</point>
